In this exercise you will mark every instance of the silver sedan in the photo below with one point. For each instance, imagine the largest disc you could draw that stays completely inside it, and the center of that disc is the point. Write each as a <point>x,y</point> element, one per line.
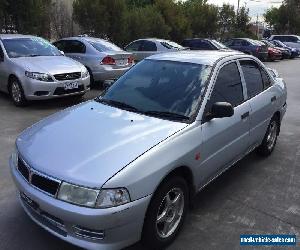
<point>144,48</point>
<point>33,69</point>
<point>124,167</point>
<point>103,59</point>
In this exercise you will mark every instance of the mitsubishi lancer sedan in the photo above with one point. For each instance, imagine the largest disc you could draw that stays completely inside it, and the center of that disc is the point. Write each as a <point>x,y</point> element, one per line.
<point>123,168</point>
<point>33,69</point>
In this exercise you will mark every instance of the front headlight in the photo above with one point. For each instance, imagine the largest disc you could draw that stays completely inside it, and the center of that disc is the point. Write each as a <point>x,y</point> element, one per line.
<point>78,195</point>
<point>112,198</point>
<point>84,73</point>
<point>39,76</point>
<point>14,157</point>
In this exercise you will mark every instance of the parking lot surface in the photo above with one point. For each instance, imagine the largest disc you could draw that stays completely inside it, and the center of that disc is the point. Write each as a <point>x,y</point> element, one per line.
<point>256,196</point>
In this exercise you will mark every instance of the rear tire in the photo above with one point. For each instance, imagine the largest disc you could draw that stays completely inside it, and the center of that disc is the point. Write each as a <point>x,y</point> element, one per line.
<point>166,214</point>
<point>92,81</point>
<point>269,142</point>
<point>16,92</point>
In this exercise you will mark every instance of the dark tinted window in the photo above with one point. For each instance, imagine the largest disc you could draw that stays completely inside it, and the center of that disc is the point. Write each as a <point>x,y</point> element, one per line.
<point>252,75</point>
<point>245,43</point>
<point>228,87</point>
<point>60,45</point>
<point>237,43</point>
<point>148,46</point>
<point>266,79</point>
<point>134,46</point>
<point>74,47</point>
<point>1,52</point>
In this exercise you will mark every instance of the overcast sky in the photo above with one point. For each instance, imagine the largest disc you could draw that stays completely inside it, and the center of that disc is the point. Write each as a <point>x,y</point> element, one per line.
<point>256,7</point>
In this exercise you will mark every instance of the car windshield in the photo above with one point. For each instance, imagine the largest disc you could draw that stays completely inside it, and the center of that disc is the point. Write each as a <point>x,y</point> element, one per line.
<point>29,47</point>
<point>102,45</point>
<point>280,43</point>
<point>171,45</point>
<point>219,45</point>
<point>171,90</point>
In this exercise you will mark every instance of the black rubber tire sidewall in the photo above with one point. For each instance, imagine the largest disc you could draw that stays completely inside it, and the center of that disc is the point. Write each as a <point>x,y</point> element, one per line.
<point>263,148</point>
<point>23,101</point>
<point>150,238</point>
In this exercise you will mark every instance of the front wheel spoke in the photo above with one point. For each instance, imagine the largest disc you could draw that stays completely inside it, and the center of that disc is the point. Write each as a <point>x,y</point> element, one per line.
<point>162,217</point>
<point>177,200</point>
<point>166,228</point>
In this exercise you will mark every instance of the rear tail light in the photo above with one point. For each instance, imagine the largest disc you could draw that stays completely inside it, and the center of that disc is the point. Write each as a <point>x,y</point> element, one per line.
<point>131,60</point>
<point>108,61</point>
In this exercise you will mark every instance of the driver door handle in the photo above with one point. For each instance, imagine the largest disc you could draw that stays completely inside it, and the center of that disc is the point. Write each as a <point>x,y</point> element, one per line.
<point>244,116</point>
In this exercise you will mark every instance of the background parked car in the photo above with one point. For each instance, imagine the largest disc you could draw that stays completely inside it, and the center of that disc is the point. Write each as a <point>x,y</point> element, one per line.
<point>290,40</point>
<point>203,44</point>
<point>31,68</point>
<point>294,52</point>
<point>103,59</point>
<point>248,46</point>
<point>286,53</point>
<point>143,48</point>
<point>273,53</point>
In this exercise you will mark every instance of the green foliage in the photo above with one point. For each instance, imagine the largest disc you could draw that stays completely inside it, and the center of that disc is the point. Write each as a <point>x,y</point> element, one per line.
<point>227,18</point>
<point>286,18</point>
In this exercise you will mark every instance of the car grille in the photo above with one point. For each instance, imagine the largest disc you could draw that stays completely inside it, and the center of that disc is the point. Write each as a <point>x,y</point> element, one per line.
<point>40,181</point>
<point>67,76</point>
<point>62,91</point>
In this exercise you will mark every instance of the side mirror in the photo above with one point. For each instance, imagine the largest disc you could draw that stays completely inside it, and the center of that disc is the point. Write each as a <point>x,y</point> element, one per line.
<point>220,110</point>
<point>63,53</point>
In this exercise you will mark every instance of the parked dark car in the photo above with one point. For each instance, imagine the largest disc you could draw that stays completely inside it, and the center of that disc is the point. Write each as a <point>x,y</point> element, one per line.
<point>203,44</point>
<point>294,52</point>
<point>249,46</point>
<point>286,53</point>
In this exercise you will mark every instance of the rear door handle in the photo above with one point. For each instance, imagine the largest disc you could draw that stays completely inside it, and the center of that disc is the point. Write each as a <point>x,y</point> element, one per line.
<point>244,116</point>
<point>273,99</point>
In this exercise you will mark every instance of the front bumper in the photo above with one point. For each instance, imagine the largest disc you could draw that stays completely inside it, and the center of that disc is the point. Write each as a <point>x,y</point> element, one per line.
<point>121,226</point>
<point>38,90</point>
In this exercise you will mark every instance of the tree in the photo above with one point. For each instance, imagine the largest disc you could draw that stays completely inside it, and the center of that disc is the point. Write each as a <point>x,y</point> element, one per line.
<point>242,23</point>
<point>146,22</point>
<point>61,20</point>
<point>173,14</point>
<point>203,17</point>
<point>226,21</point>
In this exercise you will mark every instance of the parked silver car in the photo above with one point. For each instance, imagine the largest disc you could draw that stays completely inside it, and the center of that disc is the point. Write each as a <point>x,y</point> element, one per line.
<point>123,167</point>
<point>143,48</point>
<point>104,60</point>
<point>33,69</point>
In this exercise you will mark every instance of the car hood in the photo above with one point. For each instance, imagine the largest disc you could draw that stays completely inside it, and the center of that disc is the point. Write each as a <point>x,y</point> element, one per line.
<point>89,143</point>
<point>49,64</point>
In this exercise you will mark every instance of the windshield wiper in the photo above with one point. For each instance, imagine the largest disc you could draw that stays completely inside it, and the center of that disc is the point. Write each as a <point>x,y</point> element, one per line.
<point>33,55</point>
<point>166,114</point>
<point>117,104</point>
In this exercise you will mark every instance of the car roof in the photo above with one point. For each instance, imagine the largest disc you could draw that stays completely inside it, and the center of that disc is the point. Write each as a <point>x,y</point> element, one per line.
<point>204,57</point>
<point>14,36</point>
<point>84,38</point>
<point>153,40</point>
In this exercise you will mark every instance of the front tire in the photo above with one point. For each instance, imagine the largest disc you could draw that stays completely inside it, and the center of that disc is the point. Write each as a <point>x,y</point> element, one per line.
<point>269,142</point>
<point>165,214</point>
<point>16,92</point>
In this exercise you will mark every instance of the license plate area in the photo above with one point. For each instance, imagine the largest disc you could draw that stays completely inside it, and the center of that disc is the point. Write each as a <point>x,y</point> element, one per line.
<point>121,62</point>
<point>71,85</point>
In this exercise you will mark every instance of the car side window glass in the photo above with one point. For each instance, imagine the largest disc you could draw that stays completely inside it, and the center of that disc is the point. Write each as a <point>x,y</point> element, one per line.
<point>148,46</point>
<point>205,45</point>
<point>245,43</point>
<point>135,46</point>
<point>228,87</point>
<point>252,77</point>
<point>237,43</point>
<point>60,45</point>
<point>266,79</point>
<point>74,47</point>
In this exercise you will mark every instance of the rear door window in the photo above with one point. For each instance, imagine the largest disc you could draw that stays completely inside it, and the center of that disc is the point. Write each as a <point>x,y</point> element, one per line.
<point>74,46</point>
<point>134,46</point>
<point>253,77</point>
<point>228,87</point>
<point>148,46</point>
<point>266,79</point>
